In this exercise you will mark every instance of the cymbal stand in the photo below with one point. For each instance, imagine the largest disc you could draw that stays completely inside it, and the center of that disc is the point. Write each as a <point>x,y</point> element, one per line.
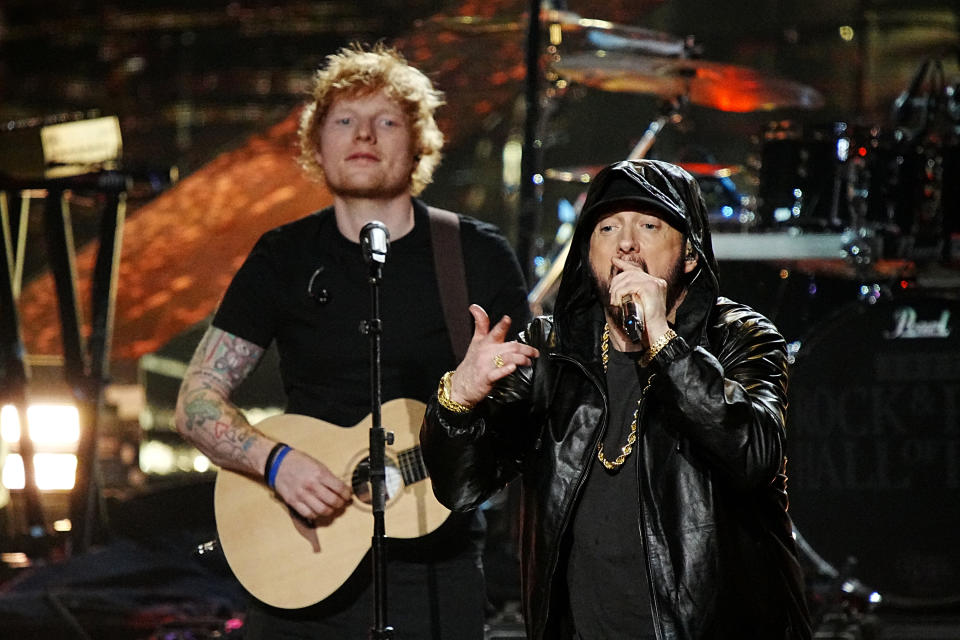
<point>670,112</point>
<point>531,171</point>
<point>671,109</point>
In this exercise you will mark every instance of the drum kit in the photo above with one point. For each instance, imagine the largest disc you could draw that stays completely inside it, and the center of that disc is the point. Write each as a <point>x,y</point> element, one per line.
<point>859,212</point>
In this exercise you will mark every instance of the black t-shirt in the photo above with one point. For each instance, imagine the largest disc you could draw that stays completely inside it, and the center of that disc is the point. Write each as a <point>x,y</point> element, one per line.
<point>324,359</point>
<point>606,572</point>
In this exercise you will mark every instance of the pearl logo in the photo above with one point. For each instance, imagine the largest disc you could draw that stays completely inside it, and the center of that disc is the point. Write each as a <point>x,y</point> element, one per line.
<point>906,325</point>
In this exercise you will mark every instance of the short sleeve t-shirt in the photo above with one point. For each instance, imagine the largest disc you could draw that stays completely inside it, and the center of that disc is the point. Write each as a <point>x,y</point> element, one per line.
<point>324,358</point>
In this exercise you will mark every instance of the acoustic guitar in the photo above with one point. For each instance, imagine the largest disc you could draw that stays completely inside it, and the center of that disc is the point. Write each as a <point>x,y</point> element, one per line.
<point>288,562</point>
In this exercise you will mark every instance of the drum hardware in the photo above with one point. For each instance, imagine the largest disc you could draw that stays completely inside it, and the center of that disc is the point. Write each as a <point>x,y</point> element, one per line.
<point>584,174</point>
<point>803,176</point>
<point>898,186</point>
<point>859,248</point>
<point>549,271</point>
<point>678,81</point>
<point>726,206</point>
<point>599,34</point>
<point>873,445</point>
<point>840,605</point>
<point>715,85</point>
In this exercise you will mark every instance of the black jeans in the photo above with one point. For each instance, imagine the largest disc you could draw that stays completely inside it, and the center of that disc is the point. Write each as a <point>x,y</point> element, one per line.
<point>443,600</point>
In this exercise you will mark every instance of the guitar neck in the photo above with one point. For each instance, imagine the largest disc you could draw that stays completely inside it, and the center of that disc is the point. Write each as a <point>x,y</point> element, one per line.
<point>412,468</point>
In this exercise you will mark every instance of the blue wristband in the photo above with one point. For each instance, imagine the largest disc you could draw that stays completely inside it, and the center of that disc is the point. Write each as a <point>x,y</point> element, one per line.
<point>272,476</point>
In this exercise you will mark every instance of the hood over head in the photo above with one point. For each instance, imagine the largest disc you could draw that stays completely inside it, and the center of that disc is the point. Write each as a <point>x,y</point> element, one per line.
<point>634,185</point>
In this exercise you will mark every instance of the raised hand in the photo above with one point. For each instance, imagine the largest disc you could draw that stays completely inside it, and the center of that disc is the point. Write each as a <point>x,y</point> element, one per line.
<point>488,359</point>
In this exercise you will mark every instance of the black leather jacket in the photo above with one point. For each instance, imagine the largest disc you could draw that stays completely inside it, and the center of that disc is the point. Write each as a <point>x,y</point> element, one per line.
<point>720,556</point>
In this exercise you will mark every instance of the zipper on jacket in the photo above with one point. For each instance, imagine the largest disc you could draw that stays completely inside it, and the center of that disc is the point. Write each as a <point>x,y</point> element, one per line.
<point>555,560</point>
<point>654,606</point>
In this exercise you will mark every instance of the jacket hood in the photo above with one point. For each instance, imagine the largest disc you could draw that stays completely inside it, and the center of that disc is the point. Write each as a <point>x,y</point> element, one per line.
<point>630,184</point>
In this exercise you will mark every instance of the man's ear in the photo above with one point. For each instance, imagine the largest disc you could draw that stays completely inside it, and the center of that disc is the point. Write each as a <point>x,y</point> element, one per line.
<point>690,257</point>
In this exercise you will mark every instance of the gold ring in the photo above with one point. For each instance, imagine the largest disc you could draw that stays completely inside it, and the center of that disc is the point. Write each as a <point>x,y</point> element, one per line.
<point>498,361</point>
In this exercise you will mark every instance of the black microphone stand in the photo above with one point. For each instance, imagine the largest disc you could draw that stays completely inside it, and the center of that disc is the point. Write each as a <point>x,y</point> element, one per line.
<point>379,438</point>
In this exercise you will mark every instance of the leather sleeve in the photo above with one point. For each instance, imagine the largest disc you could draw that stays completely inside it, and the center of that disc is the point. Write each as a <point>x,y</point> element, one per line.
<point>471,456</point>
<point>731,405</point>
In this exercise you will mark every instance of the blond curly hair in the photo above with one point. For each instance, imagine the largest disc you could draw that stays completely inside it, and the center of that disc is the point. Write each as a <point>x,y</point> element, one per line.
<point>358,70</point>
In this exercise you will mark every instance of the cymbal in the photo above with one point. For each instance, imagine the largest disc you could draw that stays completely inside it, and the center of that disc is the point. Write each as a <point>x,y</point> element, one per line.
<point>601,34</point>
<point>585,173</point>
<point>710,84</point>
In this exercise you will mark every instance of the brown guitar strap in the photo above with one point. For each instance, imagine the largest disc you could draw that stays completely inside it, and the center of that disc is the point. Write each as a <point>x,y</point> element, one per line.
<point>451,277</point>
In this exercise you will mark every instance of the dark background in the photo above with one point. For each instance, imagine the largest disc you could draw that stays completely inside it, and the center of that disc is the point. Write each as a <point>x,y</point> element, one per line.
<point>191,81</point>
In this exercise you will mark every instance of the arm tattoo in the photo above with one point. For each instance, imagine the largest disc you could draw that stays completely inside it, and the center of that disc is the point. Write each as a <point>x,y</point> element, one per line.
<point>205,415</point>
<point>228,357</point>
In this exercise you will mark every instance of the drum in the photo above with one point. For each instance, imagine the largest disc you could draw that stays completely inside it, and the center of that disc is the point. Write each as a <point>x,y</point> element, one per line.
<point>898,187</point>
<point>908,182</point>
<point>802,182</point>
<point>873,443</point>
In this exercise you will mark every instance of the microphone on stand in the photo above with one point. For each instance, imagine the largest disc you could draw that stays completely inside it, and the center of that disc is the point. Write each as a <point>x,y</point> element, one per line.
<point>375,240</point>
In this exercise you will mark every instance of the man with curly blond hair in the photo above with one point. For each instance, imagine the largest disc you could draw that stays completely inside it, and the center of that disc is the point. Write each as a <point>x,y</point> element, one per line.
<point>359,73</point>
<point>369,134</point>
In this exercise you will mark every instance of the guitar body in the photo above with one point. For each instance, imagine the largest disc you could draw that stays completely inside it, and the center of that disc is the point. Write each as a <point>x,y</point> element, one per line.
<point>288,563</point>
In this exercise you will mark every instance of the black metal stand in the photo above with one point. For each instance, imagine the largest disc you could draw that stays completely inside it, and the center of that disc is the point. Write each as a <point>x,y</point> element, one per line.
<point>85,366</point>
<point>670,111</point>
<point>14,376</point>
<point>531,173</point>
<point>379,438</point>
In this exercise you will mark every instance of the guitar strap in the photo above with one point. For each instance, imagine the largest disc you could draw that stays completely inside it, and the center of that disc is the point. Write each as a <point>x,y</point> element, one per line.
<point>451,277</point>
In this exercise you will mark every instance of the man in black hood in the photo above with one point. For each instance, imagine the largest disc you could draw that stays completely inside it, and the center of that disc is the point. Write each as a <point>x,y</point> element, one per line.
<point>646,418</point>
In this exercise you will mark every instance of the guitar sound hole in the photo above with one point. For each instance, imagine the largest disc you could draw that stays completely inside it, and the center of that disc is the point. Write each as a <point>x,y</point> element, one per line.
<point>361,480</point>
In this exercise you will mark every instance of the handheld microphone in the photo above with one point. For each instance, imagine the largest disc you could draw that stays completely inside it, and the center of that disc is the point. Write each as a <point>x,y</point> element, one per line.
<point>375,240</point>
<point>631,318</point>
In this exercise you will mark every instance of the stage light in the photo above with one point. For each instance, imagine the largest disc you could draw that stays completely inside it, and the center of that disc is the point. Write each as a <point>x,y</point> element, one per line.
<point>201,463</point>
<point>157,457</point>
<point>54,471</point>
<point>54,430</point>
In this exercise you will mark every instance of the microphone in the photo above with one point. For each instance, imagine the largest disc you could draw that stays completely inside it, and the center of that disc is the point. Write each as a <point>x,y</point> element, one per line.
<point>375,240</point>
<point>631,318</point>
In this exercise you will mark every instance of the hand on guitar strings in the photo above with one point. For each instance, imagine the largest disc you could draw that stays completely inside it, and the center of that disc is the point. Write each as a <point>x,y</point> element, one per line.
<point>310,488</point>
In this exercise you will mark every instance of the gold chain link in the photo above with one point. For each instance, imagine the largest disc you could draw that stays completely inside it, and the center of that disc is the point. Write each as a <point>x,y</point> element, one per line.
<point>627,449</point>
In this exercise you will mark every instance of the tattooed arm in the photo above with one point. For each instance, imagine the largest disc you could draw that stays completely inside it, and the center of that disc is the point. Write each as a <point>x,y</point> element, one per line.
<point>207,418</point>
<point>204,414</point>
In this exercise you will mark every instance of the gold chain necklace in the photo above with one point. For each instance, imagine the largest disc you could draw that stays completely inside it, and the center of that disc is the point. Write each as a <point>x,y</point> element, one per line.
<point>627,449</point>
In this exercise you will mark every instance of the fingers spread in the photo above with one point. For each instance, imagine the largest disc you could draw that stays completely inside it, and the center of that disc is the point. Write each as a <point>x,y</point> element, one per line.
<point>499,331</point>
<point>481,321</point>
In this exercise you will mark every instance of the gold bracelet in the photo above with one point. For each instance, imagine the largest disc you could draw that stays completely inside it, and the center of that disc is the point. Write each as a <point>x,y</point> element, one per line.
<point>657,346</point>
<point>443,396</point>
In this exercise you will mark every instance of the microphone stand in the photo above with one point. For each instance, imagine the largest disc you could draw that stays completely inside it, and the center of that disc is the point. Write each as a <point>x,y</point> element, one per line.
<point>379,438</point>
<point>531,189</point>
